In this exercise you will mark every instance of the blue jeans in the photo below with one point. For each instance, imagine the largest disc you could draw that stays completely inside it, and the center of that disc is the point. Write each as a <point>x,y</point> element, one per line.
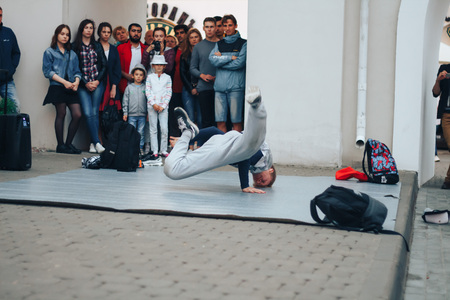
<point>138,122</point>
<point>12,93</point>
<point>90,103</point>
<point>192,106</point>
<point>230,101</point>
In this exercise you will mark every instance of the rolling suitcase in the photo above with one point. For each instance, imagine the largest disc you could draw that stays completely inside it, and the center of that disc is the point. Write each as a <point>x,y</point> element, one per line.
<point>15,137</point>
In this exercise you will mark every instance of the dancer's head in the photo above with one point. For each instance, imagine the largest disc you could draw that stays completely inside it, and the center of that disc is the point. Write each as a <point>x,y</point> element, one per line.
<point>265,178</point>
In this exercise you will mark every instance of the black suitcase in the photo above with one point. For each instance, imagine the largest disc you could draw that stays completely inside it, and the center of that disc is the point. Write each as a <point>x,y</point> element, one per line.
<point>15,137</point>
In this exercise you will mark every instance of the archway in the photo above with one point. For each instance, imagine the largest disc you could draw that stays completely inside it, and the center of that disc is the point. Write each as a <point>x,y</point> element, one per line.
<point>418,37</point>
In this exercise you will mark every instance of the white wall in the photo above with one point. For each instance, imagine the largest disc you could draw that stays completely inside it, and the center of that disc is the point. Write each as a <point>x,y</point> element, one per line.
<point>200,9</point>
<point>34,23</point>
<point>419,31</point>
<point>33,39</point>
<point>295,54</point>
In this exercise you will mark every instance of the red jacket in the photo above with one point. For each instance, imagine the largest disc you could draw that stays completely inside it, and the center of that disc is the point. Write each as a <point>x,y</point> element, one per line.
<point>125,60</point>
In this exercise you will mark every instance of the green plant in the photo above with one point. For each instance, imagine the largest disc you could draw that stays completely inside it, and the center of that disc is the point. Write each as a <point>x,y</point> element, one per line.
<point>10,106</point>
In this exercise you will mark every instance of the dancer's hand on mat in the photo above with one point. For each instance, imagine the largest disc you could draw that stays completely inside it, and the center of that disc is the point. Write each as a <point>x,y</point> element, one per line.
<point>173,140</point>
<point>253,190</point>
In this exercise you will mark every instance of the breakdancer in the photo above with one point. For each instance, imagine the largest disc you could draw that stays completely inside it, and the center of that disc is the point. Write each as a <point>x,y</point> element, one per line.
<point>247,149</point>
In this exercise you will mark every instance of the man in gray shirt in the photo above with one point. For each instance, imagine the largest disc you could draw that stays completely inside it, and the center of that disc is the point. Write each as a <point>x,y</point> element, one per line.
<point>202,69</point>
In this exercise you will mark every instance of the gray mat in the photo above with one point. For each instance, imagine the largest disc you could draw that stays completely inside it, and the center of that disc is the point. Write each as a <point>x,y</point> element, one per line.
<point>211,194</point>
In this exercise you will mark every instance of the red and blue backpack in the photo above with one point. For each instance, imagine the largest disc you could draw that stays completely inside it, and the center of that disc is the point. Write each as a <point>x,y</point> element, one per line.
<point>380,163</point>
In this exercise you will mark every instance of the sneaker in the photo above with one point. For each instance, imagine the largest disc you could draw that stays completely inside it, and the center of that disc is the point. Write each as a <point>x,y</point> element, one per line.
<point>92,148</point>
<point>154,157</point>
<point>64,149</point>
<point>445,186</point>
<point>436,158</point>
<point>99,148</point>
<point>153,163</point>
<point>147,156</point>
<point>154,160</point>
<point>164,154</point>
<point>253,96</point>
<point>74,149</point>
<point>184,123</point>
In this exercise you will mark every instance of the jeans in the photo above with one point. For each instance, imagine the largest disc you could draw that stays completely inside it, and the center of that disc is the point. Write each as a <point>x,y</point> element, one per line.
<point>163,118</point>
<point>445,121</point>
<point>206,101</point>
<point>230,101</point>
<point>192,106</point>
<point>139,122</point>
<point>90,103</point>
<point>12,93</point>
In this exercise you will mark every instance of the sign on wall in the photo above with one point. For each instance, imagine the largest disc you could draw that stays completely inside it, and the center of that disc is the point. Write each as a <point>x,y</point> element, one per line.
<point>161,15</point>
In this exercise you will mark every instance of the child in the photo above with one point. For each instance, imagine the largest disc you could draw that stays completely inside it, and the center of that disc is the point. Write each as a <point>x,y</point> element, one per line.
<point>134,102</point>
<point>246,149</point>
<point>158,91</point>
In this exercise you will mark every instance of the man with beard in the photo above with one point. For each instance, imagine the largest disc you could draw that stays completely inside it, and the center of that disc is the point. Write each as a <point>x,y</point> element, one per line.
<point>130,54</point>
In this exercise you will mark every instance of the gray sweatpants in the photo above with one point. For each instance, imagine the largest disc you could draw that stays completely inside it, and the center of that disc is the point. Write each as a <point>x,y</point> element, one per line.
<point>219,150</point>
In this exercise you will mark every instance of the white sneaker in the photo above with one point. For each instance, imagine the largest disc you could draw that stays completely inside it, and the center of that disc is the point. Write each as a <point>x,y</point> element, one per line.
<point>99,148</point>
<point>92,148</point>
<point>253,96</point>
<point>436,158</point>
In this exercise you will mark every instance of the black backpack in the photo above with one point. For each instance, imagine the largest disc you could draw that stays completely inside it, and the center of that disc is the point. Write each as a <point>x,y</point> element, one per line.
<point>380,163</point>
<point>110,116</point>
<point>350,210</point>
<point>122,149</point>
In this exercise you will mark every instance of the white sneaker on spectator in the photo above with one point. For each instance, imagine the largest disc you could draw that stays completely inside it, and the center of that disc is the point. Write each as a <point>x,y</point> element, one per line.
<point>99,148</point>
<point>92,148</point>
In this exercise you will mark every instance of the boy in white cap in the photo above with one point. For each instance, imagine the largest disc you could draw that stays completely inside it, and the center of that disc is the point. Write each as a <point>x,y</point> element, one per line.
<point>134,103</point>
<point>219,150</point>
<point>158,91</point>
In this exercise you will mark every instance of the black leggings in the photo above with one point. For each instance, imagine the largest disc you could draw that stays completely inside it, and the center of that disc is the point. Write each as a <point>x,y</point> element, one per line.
<point>75,111</point>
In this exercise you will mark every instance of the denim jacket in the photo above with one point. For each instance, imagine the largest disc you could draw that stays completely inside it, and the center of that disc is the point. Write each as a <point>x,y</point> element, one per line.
<point>54,62</point>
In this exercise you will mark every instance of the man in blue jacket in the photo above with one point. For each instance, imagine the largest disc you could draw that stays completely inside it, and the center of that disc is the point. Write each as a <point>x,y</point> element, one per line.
<point>229,56</point>
<point>9,60</point>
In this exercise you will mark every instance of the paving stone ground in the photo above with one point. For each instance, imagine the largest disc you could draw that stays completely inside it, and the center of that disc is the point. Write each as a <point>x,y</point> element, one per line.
<point>63,253</point>
<point>429,267</point>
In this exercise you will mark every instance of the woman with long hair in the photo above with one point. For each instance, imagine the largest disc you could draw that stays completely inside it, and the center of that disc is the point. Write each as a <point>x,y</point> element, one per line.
<point>111,94</point>
<point>92,62</point>
<point>60,66</point>
<point>189,94</point>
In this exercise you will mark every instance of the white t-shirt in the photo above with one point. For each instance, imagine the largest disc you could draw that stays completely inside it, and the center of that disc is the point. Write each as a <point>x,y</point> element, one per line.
<point>136,57</point>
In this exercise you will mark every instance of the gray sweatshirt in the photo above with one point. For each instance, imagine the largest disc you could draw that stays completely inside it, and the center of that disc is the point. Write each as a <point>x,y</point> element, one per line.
<point>200,64</point>
<point>134,102</point>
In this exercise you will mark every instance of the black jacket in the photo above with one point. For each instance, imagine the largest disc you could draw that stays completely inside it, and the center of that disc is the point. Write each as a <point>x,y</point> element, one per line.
<point>189,82</point>
<point>445,89</point>
<point>9,51</point>
<point>102,65</point>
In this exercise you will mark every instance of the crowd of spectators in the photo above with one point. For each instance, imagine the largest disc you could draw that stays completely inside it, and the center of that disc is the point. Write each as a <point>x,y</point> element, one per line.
<point>88,73</point>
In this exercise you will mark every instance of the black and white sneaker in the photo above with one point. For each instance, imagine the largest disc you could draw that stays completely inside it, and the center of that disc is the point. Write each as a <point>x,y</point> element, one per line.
<point>153,160</point>
<point>184,123</point>
<point>253,96</point>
